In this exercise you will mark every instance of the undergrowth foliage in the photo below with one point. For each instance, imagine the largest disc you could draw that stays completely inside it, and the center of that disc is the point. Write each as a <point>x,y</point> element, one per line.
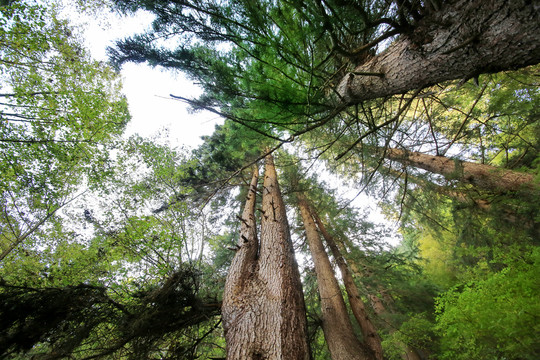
<point>51,322</point>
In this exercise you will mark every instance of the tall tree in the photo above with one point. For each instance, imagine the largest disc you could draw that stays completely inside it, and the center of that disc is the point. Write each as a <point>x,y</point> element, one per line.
<point>261,69</point>
<point>338,331</point>
<point>263,305</point>
<point>369,332</point>
<point>282,69</point>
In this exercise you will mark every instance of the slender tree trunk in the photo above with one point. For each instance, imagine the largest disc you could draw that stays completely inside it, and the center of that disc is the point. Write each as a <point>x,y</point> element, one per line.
<point>263,305</point>
<point>337,327</point>
<point>369,332</point>
<point>408,352</point>
<point>462,39</point>
<point>482,176</point>
<point>242,266</point>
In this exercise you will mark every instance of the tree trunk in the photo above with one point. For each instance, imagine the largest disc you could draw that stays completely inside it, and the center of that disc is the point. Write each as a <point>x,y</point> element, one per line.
<point>459,196</point>
<point>369,332</point>
<point>506,213</point>
<point>482,176</point>
<point>242,265</point>
<point>408,352</point>
<point>337,327</point>
<point>461,40</point>
<point>263,305</point>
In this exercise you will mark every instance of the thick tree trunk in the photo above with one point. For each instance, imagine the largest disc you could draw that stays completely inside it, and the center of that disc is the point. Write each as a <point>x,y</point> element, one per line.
<point>369,332</point>
<point>278,270</point>
<point>482,176</point>
<point>337,327</point>
<point>263,305</point>
<point>461,40</point>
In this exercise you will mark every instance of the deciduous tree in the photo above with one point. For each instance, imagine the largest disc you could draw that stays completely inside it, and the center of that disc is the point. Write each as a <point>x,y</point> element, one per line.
<point>60,114</point>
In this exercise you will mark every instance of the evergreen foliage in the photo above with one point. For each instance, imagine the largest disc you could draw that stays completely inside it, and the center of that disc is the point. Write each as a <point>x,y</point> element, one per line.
<point>267,70</point>
<point>119,248</point>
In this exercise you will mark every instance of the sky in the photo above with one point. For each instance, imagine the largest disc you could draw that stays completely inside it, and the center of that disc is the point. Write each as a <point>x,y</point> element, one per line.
<point>147,89</point>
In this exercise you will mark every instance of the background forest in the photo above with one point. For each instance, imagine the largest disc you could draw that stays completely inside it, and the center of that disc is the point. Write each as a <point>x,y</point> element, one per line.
<point>116,247</point>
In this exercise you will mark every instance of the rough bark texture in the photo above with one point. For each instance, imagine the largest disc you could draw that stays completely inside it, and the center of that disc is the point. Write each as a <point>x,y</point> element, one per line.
<point>241,269</point>
<point>459,196</point>
<point>485,177</point>
<point>263,305</point>
<point>463,39</point>
<point>337,327</point>
<point>408,353</point>
<point>369,332</point>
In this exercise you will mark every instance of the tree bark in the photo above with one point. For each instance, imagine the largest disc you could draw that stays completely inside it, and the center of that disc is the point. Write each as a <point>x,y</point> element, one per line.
<point>459,196</point>
<point>369,332</point>
<point>461,40</point>
<point>263,305</point>
<point>508,214</point>
<point>242,265</point>
<point>337,327</point>
<point>482,176</point>
<point>408,352</point>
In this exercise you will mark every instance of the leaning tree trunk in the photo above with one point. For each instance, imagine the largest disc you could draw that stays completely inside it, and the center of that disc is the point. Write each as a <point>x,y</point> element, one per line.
<point>462,39</point>
<point>407,351</point>
<point>263,305</point>
<point>459,196</point>
<point>369,332</point>
<point>482,176</point>
<point>337,327</point>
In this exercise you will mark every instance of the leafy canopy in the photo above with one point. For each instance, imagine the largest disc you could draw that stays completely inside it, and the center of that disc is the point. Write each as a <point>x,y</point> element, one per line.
<point>60,113</point>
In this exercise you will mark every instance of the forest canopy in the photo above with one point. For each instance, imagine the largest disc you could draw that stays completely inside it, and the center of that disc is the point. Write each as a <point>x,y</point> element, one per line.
<point>251,245</point>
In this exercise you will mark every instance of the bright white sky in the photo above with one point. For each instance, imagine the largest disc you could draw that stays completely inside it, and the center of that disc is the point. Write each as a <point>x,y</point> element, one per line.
<point>147,89</point>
